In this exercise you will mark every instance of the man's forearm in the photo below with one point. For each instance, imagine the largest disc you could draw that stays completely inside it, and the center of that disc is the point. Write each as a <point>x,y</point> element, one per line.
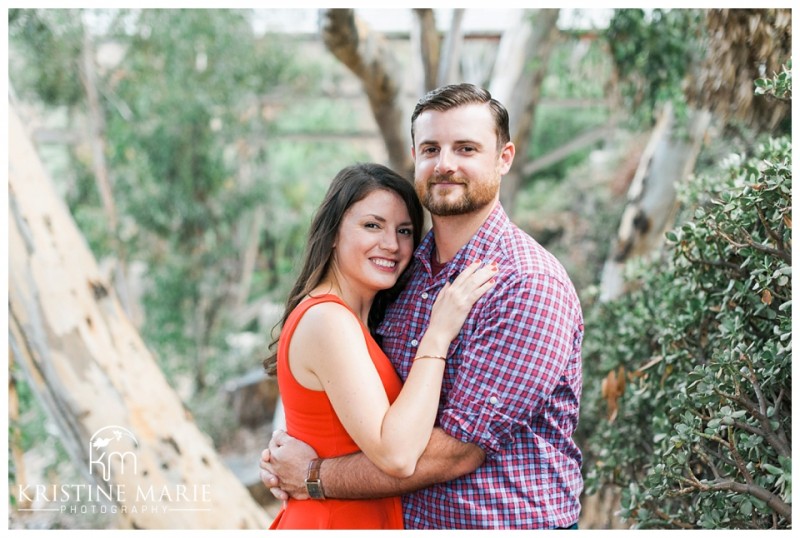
<point>356,477</point>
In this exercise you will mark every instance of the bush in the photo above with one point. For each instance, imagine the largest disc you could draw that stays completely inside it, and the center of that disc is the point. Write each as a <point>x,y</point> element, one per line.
<point>700,352</point>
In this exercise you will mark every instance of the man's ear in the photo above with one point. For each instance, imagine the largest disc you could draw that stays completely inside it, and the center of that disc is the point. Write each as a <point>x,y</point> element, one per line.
<point>413,153</point>
<point>506,157</point>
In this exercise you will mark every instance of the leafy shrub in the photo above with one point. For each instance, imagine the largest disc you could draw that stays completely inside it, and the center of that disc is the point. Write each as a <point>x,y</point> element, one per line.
<point>700,352</point>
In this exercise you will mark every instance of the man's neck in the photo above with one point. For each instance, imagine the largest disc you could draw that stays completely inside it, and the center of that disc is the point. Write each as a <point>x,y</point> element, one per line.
<point>452,233</point>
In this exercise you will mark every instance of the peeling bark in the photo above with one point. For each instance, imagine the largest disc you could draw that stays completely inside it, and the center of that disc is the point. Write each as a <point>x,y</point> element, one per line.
<point>667,160</point>
<point>90,369</point>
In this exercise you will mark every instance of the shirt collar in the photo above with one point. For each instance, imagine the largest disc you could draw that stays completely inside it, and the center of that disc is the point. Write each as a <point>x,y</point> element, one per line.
<point>482,242</point>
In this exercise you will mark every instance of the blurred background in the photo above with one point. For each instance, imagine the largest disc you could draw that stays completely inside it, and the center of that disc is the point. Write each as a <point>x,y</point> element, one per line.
<point>191,148</point>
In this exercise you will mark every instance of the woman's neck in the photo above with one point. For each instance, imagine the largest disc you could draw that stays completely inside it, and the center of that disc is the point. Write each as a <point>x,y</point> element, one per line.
<point>359,303</point>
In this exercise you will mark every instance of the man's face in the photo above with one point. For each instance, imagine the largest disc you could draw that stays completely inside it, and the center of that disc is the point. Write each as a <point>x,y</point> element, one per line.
<point>457,166</point>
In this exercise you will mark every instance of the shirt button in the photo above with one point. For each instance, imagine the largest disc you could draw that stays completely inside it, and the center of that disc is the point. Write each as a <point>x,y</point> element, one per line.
<point>415,342</point>
<point>493,400</point>
<point>424,295</point>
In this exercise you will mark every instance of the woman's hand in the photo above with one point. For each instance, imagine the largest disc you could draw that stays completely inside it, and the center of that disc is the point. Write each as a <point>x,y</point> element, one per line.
<point>456,299</point>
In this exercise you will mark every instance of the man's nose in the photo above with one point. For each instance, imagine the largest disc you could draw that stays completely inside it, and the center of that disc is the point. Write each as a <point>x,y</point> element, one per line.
<point>445,164</point>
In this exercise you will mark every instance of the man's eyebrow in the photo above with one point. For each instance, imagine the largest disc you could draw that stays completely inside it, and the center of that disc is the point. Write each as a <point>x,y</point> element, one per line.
<point>465,141</point>
<point>468,142</point>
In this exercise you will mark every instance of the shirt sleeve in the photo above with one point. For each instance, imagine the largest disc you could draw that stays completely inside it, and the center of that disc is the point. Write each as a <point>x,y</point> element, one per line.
<point>511,362</point>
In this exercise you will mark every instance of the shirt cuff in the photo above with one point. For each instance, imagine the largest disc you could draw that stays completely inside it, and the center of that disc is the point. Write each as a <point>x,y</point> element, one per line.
<point>488,428</point>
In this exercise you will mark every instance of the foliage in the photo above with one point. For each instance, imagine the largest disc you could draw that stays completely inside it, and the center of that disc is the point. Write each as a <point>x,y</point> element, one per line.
<point>739,46</point>
<point>556,126</point>
<point>779,86</point>
<point>577,71</point>
<point>208,130</point>
<point>578,68</point>
<point>702,434</point>
<point>30,431</point>
<point>51,39</point>
<point>652,52</point>
<point>187,151</point>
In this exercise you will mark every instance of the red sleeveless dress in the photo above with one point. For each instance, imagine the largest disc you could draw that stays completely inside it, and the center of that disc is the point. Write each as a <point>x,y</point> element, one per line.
<point>310,417</point>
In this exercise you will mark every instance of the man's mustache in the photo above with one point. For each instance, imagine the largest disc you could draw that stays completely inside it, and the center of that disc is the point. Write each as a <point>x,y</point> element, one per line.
<point>437,179</point>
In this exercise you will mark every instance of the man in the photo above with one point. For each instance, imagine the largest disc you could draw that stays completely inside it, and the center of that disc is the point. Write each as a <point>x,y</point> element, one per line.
<point>502,455</point>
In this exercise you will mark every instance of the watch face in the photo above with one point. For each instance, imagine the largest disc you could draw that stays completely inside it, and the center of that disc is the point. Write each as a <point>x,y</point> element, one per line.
<point>314,490</point>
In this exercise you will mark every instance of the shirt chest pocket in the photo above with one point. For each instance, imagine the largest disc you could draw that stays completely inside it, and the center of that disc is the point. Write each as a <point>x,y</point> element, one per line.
<point>400,331</point>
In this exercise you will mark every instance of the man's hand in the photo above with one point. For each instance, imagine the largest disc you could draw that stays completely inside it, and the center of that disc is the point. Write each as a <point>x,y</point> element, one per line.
<point>284,465</point>
<point>270,480</point>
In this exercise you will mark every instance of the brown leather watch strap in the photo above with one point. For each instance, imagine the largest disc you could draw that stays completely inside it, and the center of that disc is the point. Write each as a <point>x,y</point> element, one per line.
<point>313,480</point>
<point>313,469</point>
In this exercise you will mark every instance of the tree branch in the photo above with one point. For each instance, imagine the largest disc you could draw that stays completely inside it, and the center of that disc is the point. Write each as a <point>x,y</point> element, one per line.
<point>429,47</point>
<point>451,50</point>
<point>587,138</point>
<point>370,58</point>
<point>772,437</point>
<point>666,517</point>
<point>783,255</point>
<point>773,501</point>
<point>737,458</point>
<point>719,263</point>
<point>775,237</point>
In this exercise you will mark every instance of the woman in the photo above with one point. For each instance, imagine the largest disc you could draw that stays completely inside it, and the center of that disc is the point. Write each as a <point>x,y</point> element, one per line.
<point>339,390</point>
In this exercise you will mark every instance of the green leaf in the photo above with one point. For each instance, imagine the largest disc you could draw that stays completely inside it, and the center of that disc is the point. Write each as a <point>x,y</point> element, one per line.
<point>772,469</point>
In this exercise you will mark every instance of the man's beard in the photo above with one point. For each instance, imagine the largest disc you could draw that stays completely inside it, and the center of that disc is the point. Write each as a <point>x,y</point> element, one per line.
<point>474,197</point>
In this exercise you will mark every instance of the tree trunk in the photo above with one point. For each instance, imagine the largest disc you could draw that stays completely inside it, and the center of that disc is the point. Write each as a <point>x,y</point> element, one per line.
<point>651,207</point>
<point>426,47</point>
<point>450,58</point>
<point>369,57</point>
<point>91,370</point>
<point>519,71</point>
<point>247,236</point>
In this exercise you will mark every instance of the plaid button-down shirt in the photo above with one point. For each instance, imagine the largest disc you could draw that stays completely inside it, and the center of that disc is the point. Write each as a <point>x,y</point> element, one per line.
<point>512,385</point>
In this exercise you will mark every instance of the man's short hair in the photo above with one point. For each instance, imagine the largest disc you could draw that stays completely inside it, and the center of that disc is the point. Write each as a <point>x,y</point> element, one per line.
<point>456,95</point>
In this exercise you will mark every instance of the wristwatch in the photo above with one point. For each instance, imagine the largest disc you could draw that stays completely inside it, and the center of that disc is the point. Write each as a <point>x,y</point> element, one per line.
<point>313,481</point>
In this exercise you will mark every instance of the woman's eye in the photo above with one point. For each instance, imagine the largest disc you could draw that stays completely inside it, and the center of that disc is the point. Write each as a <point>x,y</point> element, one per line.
<point>372,225</point>
<point>406,231</point>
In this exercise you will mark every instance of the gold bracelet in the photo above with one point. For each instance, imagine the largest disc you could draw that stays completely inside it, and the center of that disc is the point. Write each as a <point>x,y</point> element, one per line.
<point>430,357</point>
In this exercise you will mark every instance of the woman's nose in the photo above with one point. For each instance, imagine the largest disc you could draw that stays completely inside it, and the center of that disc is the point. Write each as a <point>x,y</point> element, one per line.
<point>389,242</point>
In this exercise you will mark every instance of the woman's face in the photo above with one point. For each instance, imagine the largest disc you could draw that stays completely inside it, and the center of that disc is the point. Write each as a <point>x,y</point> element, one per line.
<point>374,243</point>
